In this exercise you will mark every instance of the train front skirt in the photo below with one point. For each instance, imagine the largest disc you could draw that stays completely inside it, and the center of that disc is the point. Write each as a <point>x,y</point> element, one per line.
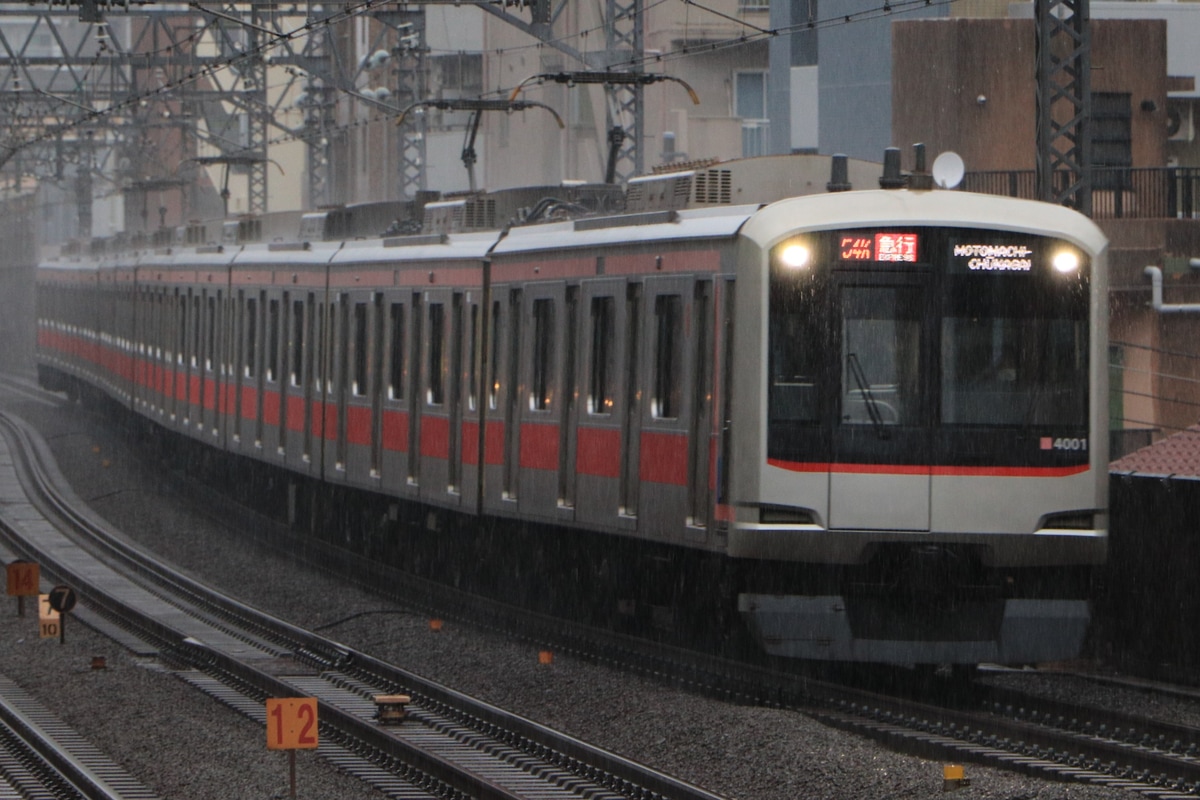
<point>828,628</point>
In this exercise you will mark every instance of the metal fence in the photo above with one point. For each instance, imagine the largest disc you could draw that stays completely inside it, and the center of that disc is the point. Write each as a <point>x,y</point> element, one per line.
<point>1117,192</point>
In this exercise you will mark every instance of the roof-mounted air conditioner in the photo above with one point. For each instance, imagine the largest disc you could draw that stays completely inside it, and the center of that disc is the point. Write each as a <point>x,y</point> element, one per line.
<point>1180,122</point>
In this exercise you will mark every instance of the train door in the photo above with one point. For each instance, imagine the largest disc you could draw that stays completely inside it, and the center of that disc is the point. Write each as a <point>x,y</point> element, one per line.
<point>669,371</point>
<point>540,405</point>
<point>210,361</point>
<point>439,430</point>
<point>601,412</point>
<point>397,399</point>
<point>415,381</point>
<point>272,394</point>
<point>882,344</point>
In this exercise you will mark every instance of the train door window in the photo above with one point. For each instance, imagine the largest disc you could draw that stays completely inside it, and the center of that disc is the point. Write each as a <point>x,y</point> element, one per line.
<point>493,386</point>
<point>542,382</point>
<point>435,394</point>
<point>197,340</point>
<point>359,384</point>
<point>472,357</point>
<point>668,356</point>
<point>197,330</point>
<point>210,326</point>
<point>181,327</point>
<point>603,355</point>
<point>321,348</point>
<point>272,355</point>
<point>396,352</point>
<point>249,364</point>
<point>296,369</point>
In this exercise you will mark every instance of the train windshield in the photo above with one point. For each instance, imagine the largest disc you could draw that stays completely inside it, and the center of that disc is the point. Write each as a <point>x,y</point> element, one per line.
<point>925,344</point>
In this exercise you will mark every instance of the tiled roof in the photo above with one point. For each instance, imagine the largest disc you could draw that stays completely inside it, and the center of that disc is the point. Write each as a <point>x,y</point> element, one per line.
<point>1177,455</point>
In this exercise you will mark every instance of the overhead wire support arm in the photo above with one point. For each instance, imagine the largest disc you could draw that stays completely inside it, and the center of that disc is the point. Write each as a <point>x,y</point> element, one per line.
<point>476,107</point>
<point>616,134</point>
<point>606,78</point>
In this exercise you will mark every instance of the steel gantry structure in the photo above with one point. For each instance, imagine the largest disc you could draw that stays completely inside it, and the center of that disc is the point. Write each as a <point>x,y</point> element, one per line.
<point>1064,102</point>
<point>144,95</point>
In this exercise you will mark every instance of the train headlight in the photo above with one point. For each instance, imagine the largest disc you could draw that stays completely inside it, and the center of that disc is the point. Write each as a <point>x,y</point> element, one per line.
<point>1066,262</point>
<point>795,256</point>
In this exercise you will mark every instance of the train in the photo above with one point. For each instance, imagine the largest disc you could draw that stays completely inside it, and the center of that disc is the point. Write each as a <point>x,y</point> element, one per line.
<point>861,425</point>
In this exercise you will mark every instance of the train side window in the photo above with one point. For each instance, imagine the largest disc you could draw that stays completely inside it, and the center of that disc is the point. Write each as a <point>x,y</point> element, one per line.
<point>396,352</point>
<point>359,386</point>
<point>272,340</point>
<point>543,354</point>
<point>600,398</point>
<point>668,360</point>
<point>298,329</point>
<point>436,393</point>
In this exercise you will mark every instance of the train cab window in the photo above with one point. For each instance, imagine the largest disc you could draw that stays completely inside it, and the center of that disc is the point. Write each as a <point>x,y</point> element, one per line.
<point>396,352</point>
<point>881,355</point>
<point>541,387</point>
<point>600,397</point>
<point>359,385</point>
<point>437,332</point>
<point>668,356</point>
<point>297,351</point>
<point>250,365</point>
<point>272,340</point>
<point>1014,371</point>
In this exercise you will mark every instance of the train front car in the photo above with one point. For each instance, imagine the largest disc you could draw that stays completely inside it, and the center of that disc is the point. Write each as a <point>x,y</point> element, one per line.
<point>919,448</point>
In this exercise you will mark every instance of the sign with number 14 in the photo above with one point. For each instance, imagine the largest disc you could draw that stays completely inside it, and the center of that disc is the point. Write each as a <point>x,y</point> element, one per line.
<point>291,723</point>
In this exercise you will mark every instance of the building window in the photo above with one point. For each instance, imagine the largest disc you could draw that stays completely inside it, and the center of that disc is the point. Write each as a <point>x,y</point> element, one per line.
<point>1112,139</point>
<point>750,104</point>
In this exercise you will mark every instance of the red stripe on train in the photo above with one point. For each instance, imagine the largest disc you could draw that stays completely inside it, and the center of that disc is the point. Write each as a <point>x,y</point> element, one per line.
<point>598,452</point>
<point>664,459</point>
<point>903,469</point>
<point>539,446</point>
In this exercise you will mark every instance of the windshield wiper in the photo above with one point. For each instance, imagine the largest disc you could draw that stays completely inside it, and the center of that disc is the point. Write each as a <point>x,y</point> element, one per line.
<point>869,400</point>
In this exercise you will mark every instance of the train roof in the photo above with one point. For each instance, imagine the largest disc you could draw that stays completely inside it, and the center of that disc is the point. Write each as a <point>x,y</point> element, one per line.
<point>898,207</point>
<point>430,247</point>
<point>631,229</point>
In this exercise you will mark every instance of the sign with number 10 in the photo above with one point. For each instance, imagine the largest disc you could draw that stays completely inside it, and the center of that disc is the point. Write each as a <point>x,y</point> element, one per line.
<point>291,723</point>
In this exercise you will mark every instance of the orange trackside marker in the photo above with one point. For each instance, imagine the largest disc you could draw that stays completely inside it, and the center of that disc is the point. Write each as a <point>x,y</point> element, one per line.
<point>435,625</point>
<point>545,657</point>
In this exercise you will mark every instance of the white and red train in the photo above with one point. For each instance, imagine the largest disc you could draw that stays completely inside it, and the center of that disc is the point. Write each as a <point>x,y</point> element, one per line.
<point>874,423</point>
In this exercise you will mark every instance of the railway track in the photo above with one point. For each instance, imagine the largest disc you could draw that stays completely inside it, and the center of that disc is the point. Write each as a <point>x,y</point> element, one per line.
<point>449,746</point>
<point>1009,731</point>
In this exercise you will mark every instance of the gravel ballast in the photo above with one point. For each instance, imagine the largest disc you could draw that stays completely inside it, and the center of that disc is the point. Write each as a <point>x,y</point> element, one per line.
<point>187,746</point>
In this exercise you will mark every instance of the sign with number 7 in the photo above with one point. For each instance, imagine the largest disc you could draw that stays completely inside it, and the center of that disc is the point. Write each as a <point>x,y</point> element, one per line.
<point>291,723</point>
